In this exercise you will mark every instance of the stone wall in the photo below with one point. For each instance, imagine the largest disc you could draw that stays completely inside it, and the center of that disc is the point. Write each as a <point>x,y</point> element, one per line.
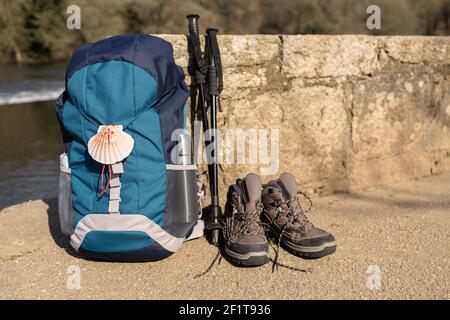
<point>352,111</point>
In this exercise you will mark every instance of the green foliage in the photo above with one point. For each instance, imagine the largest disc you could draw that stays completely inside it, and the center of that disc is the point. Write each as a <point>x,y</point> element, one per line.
<point>9,48</point>
<point>35,30</point>
<point>133,21</point>
<point>40,18</point>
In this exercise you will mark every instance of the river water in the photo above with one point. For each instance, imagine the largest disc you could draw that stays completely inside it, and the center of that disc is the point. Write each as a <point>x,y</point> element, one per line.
<point>30,142</point>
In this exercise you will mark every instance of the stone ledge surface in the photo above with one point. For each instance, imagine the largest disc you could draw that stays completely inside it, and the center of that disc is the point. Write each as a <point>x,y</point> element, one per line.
<point>401,228</point>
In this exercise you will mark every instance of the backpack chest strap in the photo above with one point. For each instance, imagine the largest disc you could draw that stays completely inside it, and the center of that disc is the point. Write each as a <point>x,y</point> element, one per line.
<point>114,188</point>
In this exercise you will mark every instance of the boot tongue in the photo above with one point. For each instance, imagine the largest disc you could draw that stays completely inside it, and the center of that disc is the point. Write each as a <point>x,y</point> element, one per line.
<point>252,187</point>
<point>288,185</point>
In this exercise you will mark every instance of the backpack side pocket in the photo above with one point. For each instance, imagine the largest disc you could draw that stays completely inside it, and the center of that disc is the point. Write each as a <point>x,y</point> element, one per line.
<point>65,210</point>
<point>182,202</point>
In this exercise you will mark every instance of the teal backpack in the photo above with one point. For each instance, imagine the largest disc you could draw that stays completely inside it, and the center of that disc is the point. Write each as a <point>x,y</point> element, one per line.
<point>122,195</point>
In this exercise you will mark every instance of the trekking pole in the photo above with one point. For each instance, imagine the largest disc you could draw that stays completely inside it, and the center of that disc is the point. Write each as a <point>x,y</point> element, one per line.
<point>214,82</point>
<point>197,66</point>
<point>197,69</point>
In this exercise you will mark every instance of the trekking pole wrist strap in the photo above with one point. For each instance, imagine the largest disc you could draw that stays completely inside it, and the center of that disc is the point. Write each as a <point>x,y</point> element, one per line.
<point>214,61</point>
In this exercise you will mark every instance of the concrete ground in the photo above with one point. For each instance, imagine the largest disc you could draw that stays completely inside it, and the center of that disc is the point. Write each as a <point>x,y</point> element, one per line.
<point>401,230</point>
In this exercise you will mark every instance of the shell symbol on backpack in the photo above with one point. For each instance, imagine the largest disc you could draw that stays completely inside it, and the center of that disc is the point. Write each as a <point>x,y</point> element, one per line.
<point>110,145</point>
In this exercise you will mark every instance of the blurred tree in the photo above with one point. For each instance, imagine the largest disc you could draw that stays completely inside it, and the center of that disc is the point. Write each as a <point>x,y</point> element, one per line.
<point>40,29</point>
<point>433,16</point>
<point>236,16</point>
<point>292,17</point>
<point>34,30</point>
<point>9,39</point>
<point>99,18</point>
<point>133,21</point>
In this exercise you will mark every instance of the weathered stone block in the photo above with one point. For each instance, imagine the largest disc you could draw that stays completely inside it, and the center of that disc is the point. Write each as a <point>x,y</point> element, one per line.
<point>314,130</point>
<point>399,128</point>
<point>249,50</point>
<point>417,49</point>
<point>390,114</point>
<point>329,56</point>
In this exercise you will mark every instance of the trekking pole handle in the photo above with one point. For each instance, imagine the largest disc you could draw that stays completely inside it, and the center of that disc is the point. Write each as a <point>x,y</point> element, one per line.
<point>193,24</point>
<point>195,40</point>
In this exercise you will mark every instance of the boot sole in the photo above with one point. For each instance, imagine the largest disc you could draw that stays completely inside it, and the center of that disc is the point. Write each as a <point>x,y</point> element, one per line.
<point>309,252</point>
<point>315,252</point>
<point>250,259</point>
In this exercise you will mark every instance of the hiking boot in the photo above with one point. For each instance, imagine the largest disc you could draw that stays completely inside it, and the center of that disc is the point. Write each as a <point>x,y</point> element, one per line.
<point>245,239</point>
<point>286,219</point>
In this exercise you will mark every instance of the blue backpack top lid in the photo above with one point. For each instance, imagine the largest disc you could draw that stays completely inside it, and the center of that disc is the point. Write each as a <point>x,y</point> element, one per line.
<point>150,53</point>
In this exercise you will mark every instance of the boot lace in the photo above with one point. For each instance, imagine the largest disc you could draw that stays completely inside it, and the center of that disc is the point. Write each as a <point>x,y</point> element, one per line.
<point>295,215</point>
<point>243,223</point>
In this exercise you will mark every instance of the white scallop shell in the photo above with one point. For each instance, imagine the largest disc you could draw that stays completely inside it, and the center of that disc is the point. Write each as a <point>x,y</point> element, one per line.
<point>110,145</point>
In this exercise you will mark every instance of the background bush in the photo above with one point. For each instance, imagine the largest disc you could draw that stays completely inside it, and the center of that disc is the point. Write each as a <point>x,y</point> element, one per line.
<point>35,31</point>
